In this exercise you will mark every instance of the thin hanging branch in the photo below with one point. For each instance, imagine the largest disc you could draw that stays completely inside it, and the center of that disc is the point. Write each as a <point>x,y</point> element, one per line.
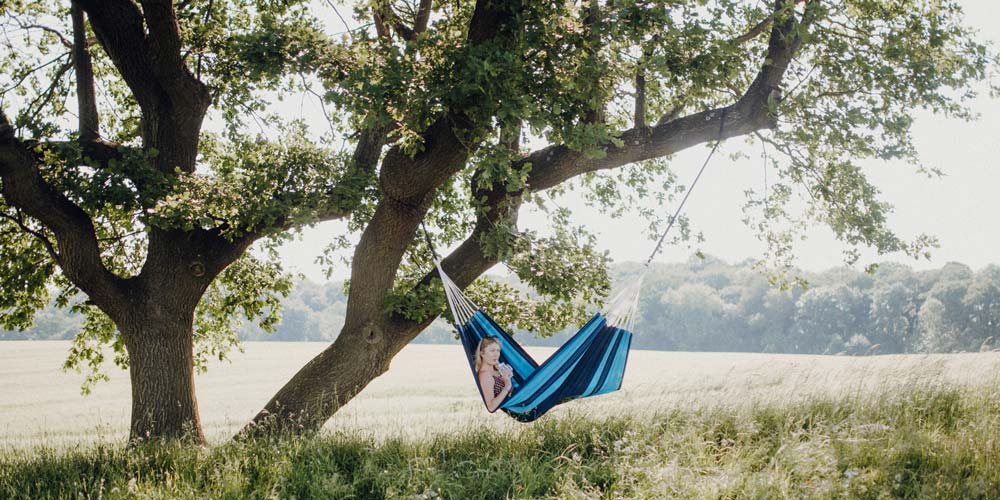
<point>39,102</point>
<point>49,247</point>
<point>347,26</point>
<point>208,17</point>
<point>62,39</point>
<point>754,32</point>
<point>24,76</point>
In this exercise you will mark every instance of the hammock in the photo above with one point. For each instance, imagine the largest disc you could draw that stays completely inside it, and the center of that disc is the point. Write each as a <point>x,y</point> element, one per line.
<point>592,362</point>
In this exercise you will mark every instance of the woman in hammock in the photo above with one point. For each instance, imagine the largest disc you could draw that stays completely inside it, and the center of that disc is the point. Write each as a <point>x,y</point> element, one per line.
<point>494,376</point>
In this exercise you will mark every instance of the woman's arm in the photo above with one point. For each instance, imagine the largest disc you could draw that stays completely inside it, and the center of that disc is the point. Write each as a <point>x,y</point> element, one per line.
<point>486,386</point>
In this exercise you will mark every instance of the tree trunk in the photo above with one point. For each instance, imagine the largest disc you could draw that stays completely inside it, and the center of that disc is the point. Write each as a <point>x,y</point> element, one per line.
<point>329,380</point>
<point>361,353</point>
<point>161,369</point>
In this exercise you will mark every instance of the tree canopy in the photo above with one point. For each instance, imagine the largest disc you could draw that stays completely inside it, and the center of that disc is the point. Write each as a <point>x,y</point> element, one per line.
<point>123,201</point>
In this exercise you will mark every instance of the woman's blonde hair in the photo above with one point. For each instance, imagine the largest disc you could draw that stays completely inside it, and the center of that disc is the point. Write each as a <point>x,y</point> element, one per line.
<point>483,344</point>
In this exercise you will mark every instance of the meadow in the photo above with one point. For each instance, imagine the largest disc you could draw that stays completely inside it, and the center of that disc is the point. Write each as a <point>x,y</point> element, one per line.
<point>685,425</point>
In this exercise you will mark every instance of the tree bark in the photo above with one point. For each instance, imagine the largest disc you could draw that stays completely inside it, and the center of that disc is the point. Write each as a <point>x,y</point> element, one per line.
<point>156,321</point>
<point>161,368</point>
<point>327,382</point>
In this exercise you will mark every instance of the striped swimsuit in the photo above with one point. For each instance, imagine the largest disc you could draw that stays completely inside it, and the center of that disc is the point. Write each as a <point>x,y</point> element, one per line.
<point>497,385</point>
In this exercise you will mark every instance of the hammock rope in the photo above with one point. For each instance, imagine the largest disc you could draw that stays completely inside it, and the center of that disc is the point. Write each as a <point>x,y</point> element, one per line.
<point>677,213</point>
<point>591,362</point>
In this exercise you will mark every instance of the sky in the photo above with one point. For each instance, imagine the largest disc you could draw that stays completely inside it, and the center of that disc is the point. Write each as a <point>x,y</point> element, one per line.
<point>959,208</point>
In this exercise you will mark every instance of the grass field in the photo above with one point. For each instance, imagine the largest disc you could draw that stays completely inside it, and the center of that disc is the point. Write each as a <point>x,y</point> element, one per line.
<point>685,425</point>
<point>429,389</point>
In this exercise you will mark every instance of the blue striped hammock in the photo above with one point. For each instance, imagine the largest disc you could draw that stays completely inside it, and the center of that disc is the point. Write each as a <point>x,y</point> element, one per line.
<point>592,362</point>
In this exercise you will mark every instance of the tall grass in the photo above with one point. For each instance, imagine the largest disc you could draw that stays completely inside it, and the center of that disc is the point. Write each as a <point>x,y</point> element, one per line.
<point>935,441</point>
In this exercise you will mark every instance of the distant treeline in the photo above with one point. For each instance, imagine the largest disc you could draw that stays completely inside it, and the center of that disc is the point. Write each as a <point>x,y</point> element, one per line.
<point>706,304</point>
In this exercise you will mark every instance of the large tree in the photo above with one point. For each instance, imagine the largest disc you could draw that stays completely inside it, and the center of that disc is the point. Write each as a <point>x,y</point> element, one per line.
<point>114,191</point>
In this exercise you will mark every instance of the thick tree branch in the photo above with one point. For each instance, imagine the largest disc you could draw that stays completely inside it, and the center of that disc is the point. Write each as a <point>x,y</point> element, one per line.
<point>380,29</point>
<point>408,184</point>
<point>639,120</point>
<point>385,18</point>
<point>468,261</point>
<point>172,100</point>
<point>89,124</point>
<point>492,19</point>
<point>759,28</point>
<point>423,16</point>
<point>784,42</point>
<point>555,164</point>
<point>420,20</point>
<point>345,198</point>
<point>165,52</point>
<point>119,27</point>
<point>78,253</point>
<point>174,126</point>
<point>408,180</point>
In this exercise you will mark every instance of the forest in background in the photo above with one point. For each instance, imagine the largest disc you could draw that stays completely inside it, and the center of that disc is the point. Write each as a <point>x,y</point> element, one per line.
<point>706,304</point>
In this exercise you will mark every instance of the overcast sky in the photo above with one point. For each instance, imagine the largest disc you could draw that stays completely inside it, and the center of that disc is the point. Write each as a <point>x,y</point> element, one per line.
<point>959,209</point>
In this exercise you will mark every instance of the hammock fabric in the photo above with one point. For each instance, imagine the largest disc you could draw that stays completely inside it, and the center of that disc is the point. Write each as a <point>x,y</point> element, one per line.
<point>592,362</point>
